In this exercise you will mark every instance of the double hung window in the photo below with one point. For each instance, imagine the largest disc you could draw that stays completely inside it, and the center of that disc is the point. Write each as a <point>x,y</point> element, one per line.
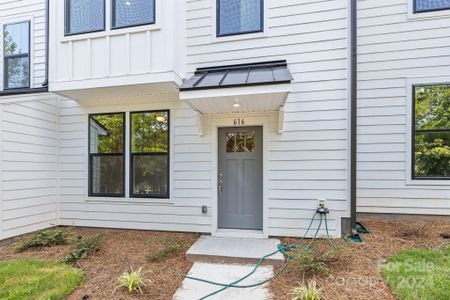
<point>148,154</point>
<point>430,5</point>
<point>431,132</point>
<point>239,17</point>
<point>16,53</point>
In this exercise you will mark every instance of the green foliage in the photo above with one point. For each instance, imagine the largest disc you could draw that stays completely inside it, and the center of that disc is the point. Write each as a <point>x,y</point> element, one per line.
<point>133,281</point>
<point>84,247</point>
<point>432,149</point>
<point>149,132</point>
<point>44,238</point>
<point>107,133</point>
<point>306,292</point>
<point>170,247</point>
<point>37,280</point>
<point>419,274</point>
<point>316,260</point>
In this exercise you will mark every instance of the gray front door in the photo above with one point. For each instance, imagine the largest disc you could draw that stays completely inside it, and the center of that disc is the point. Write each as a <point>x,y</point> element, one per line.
<point>240,178</point>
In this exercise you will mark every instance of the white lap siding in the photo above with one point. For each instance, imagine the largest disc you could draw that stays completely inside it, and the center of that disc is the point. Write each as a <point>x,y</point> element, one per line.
<point>309,159</point>
<point>190,174</point>
<point>28,163</point>
<point>396,46</point>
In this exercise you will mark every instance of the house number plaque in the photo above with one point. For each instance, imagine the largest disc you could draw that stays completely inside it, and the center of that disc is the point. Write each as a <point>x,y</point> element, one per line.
<point>239,122</point>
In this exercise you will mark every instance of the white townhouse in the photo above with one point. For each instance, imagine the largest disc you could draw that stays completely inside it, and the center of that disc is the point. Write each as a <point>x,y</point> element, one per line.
<point>228,117</point>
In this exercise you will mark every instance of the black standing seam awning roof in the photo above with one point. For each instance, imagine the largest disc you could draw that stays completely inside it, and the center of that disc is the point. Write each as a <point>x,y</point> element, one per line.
<point>275,72</point>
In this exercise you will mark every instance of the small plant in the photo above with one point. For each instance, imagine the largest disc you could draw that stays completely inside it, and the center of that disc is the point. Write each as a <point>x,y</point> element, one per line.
<point>133,281</point>
<point>306,292</point>
<point>84,247</point>
<point>314,260</point>
<point>170,247</point>
<point>44,238</point>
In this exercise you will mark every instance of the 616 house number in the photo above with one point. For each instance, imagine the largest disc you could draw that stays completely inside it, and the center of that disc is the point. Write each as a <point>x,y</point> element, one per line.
<point>238,122</point>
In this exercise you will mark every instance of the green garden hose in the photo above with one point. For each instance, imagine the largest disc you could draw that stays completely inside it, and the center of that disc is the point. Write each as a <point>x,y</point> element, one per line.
<point>282,248</point>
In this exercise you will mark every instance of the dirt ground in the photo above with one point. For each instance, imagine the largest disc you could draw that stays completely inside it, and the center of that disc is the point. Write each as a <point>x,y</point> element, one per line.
<point>356,274</point>
<point>121,250</point>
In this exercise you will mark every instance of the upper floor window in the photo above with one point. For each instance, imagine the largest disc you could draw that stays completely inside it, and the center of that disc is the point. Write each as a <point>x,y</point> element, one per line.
<point>430,5</point>
<point>16,44</point>
<point>127,13</point>
<point>84,16</point>
<point>431,132</point>
<point>239,16</point>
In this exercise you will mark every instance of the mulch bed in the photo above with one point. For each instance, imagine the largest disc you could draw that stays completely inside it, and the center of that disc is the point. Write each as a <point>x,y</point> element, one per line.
<point>121,249</point>
<point>356,274</point>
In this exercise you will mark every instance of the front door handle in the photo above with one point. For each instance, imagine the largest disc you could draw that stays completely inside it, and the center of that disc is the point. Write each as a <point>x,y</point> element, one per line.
<point>220,183</point>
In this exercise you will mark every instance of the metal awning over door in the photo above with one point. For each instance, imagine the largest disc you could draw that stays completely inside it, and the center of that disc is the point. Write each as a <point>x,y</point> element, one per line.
<point>238,88</point>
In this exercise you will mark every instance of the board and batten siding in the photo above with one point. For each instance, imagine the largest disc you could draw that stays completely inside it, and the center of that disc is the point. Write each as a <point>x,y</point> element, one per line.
<point>309,159</point>
<point>396,48</point>
<point>29,133</point>
<point>190,172</point>
<point>12,11</point>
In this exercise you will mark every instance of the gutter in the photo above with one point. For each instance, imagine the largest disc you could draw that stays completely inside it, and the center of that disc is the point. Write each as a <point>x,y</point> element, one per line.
<point>47,39</point>
<point>353,118</point>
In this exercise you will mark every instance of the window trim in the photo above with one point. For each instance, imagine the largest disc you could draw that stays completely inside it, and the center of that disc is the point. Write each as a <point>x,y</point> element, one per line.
<point>113,17</point>
<point>261,16</point>
<point>15,56</point>
<point>91,155</point>
<point>419,11</point>
<point>413,135</point>
<point>131,154</point>
<point>67,20</point>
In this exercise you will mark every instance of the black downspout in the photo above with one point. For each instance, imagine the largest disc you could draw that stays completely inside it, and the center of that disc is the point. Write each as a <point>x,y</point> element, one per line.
<point>47,39</point>
<point>354,117</point>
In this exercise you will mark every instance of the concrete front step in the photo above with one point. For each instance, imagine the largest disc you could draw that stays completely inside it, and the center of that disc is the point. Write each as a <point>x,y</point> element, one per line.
<point>234,251</point>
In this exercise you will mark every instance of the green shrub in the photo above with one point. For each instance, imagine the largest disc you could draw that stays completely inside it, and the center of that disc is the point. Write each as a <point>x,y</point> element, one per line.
<point>44,238</point>
<point>316,260</point>
<point>169,248</point>
<point>84,247</point>
<point>133,281</point>
<point>306,292</point>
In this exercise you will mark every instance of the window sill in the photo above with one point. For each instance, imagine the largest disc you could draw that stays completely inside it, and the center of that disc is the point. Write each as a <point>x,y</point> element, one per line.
<point>111,32</point>
<point>432,14</point>
<point>427,182</point>
<point>239,37</point>
<point>21,91</point>
<point>123,200</point>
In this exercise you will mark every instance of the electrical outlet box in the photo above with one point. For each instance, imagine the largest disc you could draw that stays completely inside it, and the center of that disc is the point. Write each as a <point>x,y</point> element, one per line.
<point>322,202</point>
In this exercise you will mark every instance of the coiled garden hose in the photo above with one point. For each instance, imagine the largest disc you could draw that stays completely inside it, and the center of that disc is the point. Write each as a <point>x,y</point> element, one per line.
<point>282,248</point>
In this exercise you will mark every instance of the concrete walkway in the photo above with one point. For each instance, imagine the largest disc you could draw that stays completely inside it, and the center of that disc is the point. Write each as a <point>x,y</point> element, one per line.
<point>192,290</point>
<point>226,260</point>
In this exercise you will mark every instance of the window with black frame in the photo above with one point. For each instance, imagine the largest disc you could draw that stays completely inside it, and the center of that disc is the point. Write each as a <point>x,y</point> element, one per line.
<point>16,53</point>
<point>239,17</point>
<point>431,132</point>
<point>430,5</point>
<point>126,13</point>
<point>107,155</point>
<point>84,16</point>
<point>149,155</point>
